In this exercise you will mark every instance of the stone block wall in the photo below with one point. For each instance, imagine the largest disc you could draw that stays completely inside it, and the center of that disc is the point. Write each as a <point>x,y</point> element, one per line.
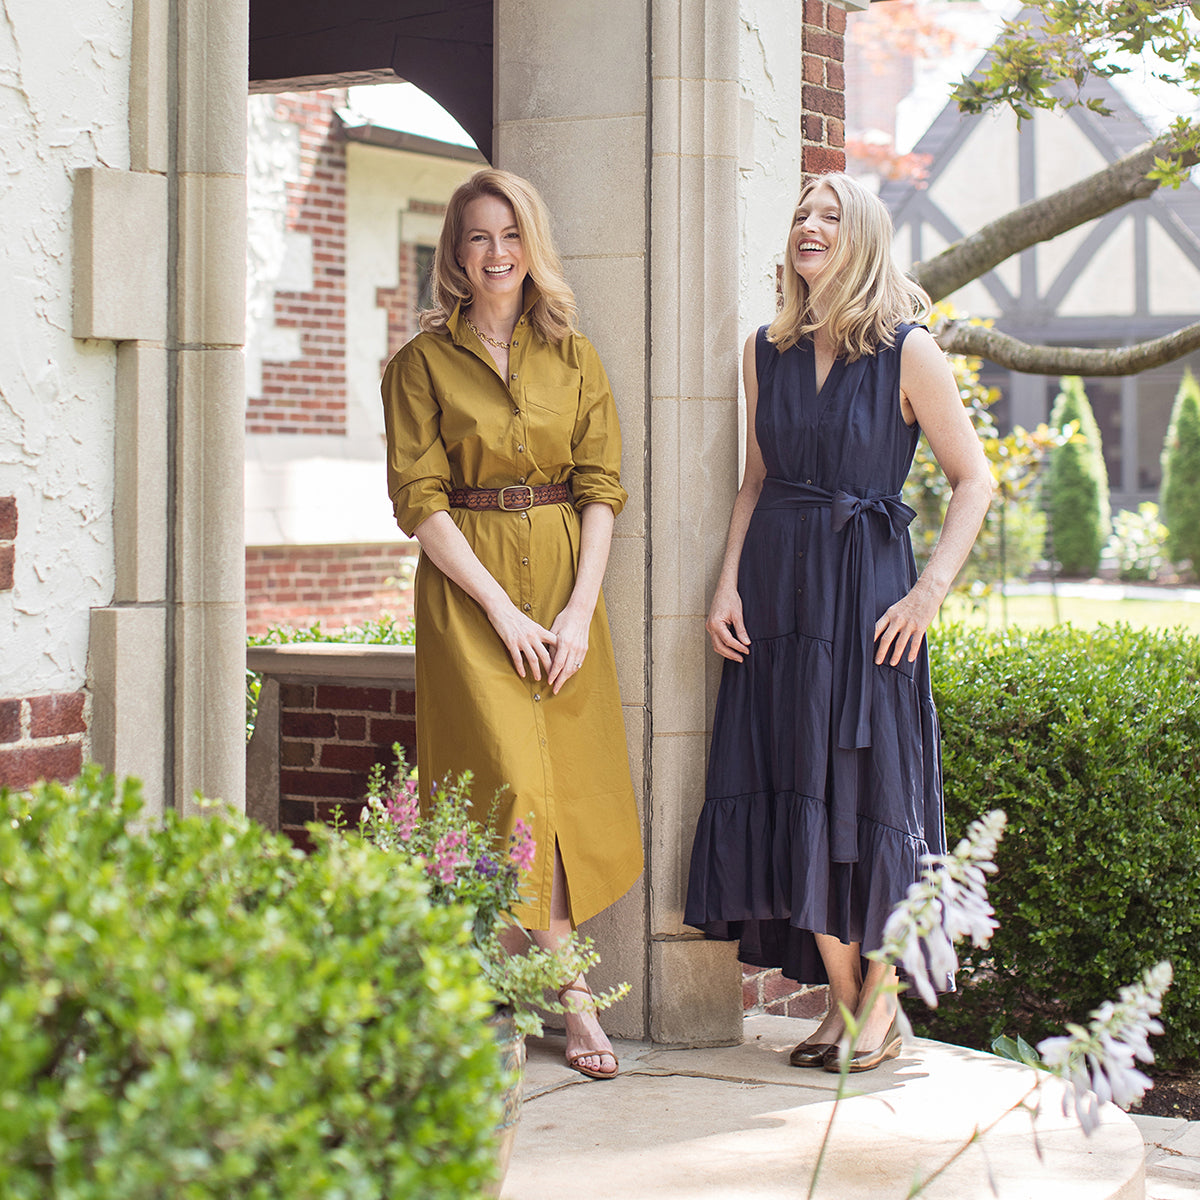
<point>41,737</point>
<point>336,585</point>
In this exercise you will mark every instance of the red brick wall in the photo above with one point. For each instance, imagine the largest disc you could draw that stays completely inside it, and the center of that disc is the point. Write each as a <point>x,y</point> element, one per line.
<point>308,394</point>
<point>767,991</point>
<point>41,737</point>
<point>336,585</point>
<point>822,94</point>
<point>8,541</point>
<point>330,736</point>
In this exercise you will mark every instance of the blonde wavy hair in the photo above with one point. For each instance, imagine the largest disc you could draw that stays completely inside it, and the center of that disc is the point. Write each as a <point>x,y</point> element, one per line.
<point>862,294</point>
<point>553,313</point>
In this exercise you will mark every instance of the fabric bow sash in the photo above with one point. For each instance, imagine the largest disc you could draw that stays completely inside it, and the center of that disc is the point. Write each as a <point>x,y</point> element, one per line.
<point>861,519</point>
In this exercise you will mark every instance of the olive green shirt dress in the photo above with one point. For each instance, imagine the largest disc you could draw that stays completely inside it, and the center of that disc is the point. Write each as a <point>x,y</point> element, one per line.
<point>562,763</point>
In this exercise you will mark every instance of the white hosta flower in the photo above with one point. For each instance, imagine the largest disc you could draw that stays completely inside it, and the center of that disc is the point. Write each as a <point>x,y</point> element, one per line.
<point>949,902</point>
<point>1098,1060</point>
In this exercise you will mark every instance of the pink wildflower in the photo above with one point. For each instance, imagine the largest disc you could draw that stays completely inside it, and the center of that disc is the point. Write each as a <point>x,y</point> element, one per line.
<point>522,847</point>
<point>403,809</point>
<point>448,855</point>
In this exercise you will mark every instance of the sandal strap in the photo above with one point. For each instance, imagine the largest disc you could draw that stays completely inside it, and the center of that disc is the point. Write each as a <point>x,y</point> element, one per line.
<point>581,988</point>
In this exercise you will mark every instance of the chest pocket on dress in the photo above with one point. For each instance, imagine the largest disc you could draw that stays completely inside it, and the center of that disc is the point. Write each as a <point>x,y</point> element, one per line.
<point>551,410</point>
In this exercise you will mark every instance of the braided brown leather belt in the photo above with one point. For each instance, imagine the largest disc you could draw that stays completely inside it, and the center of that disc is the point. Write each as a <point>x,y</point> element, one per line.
<point>515,498</point>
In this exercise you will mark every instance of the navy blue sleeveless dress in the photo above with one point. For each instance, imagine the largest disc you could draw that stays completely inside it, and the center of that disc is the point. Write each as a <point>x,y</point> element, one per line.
<point>824,777</point>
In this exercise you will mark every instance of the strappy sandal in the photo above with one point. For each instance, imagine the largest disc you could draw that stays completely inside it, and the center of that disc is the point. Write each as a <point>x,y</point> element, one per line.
<point>575,1061</point>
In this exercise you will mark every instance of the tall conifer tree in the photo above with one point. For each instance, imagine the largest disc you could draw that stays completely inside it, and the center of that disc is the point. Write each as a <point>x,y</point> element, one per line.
<point>1180,508</point>
<point>1077,485</point>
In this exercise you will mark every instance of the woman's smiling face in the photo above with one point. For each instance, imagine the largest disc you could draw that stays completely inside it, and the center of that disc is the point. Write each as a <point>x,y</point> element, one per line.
<point>490,250</point>
<point>815,232</point>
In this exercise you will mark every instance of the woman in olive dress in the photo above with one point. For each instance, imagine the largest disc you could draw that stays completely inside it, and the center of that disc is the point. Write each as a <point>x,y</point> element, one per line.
<point>504,462</point>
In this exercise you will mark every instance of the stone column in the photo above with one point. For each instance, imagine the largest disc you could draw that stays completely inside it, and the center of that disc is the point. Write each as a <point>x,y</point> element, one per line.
<point>695,994</point>
<point>624,114</point>
<point>571,116</point>
<point>208,399</point>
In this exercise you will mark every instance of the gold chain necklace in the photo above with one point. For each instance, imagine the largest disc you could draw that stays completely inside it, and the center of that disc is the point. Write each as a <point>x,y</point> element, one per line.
<point>483,337</point>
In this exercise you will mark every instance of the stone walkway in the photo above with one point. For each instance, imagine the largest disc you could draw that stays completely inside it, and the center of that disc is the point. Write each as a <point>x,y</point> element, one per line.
<point>1172,1157</point>
<point>738,1123</point>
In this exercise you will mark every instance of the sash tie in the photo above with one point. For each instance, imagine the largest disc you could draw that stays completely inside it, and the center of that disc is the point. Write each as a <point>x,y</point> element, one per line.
<point>854,604</point>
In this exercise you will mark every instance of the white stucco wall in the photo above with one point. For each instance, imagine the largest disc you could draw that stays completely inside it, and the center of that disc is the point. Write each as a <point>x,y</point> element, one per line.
<point>769,159</point>
<point>63,105</point>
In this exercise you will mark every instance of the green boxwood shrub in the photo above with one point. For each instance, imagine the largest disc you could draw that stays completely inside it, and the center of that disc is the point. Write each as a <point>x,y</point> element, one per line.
<point>198,1011</point>
<point>1181,475</point>
<point>1090,741</point>
<point>1076,488</point>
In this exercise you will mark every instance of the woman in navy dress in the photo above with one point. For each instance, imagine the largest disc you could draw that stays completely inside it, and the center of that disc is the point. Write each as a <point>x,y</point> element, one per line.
<point>824,778</point>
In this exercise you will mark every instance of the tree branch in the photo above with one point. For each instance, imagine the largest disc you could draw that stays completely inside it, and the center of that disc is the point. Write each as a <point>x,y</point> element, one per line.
<point>1040,220</point>
<point>959,337</point>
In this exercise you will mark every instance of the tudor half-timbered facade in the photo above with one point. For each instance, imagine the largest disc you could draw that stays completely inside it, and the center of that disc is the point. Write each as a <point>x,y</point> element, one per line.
<point>1131,275</point>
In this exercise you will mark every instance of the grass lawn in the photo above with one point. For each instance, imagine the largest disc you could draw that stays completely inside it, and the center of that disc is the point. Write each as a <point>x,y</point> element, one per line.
<point>1029,612</point>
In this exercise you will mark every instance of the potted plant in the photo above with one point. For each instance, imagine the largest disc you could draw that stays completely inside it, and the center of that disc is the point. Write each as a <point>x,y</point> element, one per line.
<point>468,866</point>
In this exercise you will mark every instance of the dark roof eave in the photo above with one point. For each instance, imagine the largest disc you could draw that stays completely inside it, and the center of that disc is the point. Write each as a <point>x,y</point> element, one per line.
<point>397,139</point>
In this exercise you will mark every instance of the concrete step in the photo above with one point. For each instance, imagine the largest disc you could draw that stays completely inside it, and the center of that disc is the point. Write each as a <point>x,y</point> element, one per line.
<point>740,1122</point>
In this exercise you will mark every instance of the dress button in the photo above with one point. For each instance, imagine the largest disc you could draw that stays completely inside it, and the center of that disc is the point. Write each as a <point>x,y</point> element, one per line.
<point>521,449</point>
<point>804,516</point>
<point>524,562</point>
<point>799,553</point>
<point>516,412</point>
<point>537,695</point>
<point>524,516</point>
<point>514,375</point>
<point>522,479</point>
<point>806,481</point>
<point>526,607</point>
<point>516,343</point>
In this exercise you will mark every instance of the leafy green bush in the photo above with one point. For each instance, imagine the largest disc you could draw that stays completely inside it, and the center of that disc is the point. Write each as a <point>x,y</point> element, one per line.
<point>1090,740</point>
<point>1181,475</point>
<point>1076,487</point>
<point>198,1011</point>
<point>1137,542</point>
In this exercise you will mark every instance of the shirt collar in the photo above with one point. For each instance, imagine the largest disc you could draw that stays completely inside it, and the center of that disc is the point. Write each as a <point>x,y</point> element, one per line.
<point>456,323</point>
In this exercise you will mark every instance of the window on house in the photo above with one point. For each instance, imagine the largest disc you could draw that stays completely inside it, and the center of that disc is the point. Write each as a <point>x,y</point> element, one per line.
<point>424,277</point>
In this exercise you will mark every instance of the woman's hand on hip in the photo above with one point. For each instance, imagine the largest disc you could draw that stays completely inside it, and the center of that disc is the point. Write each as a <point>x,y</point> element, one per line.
<point>525,640</point>
<point>571,629</point>
<point>903,626</point>
<point>726,627</point>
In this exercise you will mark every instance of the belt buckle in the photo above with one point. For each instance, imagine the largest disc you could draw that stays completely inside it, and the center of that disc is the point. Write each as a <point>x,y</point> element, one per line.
<point>503,503</point>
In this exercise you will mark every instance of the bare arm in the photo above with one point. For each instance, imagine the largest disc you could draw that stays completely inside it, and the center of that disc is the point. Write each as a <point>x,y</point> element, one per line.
<point>725,625</point>
<point>930,395</point>
<point>572,624</point>
<point>451,553</point>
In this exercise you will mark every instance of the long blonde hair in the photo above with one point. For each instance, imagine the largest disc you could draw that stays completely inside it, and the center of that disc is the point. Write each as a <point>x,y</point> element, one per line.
<point>862,293</point>
<point>553,314</point>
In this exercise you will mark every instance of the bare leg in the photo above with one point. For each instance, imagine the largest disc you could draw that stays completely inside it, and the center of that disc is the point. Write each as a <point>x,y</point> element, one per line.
<point>843,965</point>
<point>583,1029</point>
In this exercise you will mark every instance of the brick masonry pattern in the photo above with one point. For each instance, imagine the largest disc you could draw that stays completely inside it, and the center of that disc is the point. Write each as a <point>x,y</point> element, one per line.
<point>8,540</point>
<point>41,737</point>
<point>308,394</point>
<point>766,990</point>
<point>335,585</point>
<point>330,736</point>
<point>822,93</point>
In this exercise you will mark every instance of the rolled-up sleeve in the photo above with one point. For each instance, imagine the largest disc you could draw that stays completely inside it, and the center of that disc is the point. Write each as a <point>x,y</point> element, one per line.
<point>596,443</point>
<point>417,467</point>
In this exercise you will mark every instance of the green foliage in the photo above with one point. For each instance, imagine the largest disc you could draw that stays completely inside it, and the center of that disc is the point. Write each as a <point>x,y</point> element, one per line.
<point>1046,62</point>
<point>1010,544</point>
<point>468,866</point>
<point>1181,474</point>
<point>197,1010</point>
<point>1137,542</point>
<point>1076,486</point>
<point>1090,741</point>
<point>387,631</point>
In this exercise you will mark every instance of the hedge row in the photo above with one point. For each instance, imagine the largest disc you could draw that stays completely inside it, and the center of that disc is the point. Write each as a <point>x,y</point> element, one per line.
<point>1090,741</point>
<point>198,1012</point>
